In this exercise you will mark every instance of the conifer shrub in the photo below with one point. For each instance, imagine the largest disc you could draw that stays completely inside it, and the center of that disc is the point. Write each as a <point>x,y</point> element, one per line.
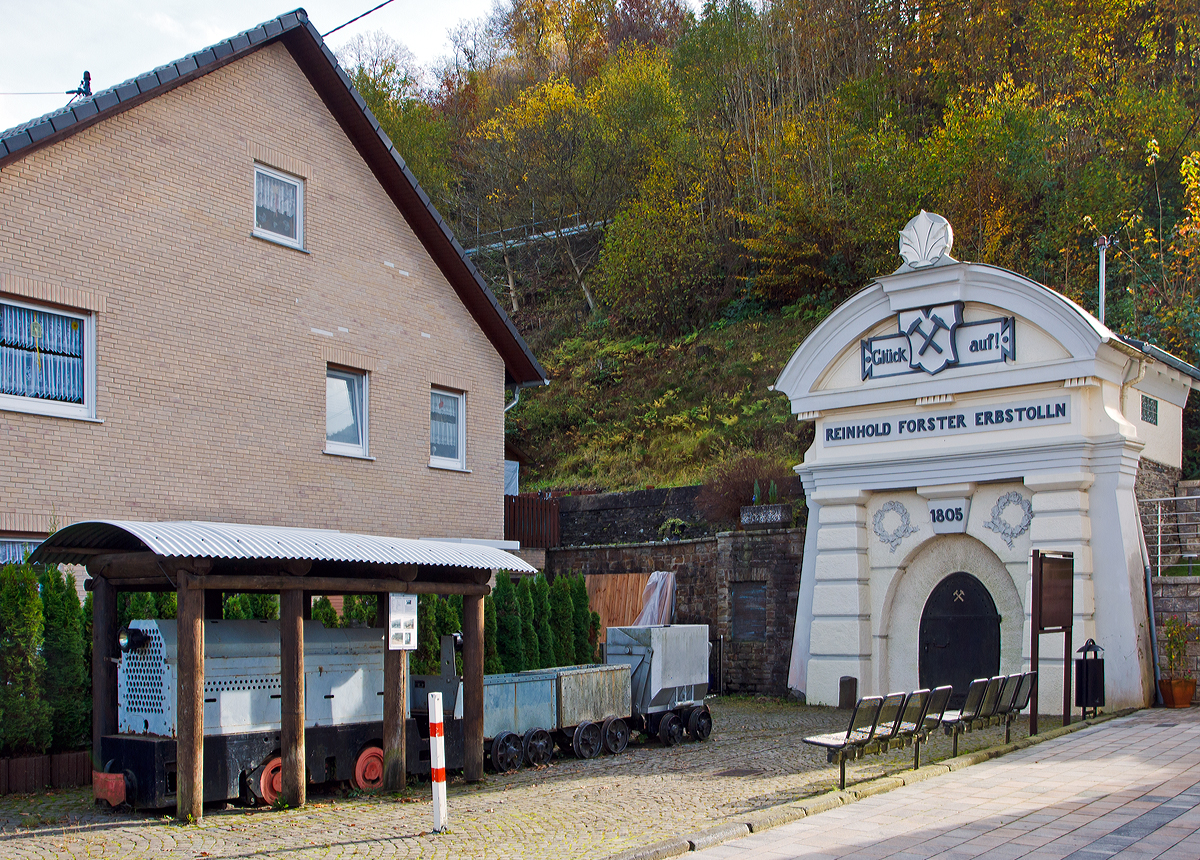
<point>529,637</point>
<point>491,656</point>
<point>584,653</point>
<point>65,684</point>
<point>323,611</point>
<point>85,625</point>
<point>27,725</point>
<point>358,610</point>
<point>562,620</point>
<point>427,658</point>
<point>141,605</point>
<point>545,633</point>
<point>509,640</point>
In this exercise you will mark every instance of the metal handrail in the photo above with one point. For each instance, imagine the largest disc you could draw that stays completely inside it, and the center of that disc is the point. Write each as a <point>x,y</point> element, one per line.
<point>1172,531</point>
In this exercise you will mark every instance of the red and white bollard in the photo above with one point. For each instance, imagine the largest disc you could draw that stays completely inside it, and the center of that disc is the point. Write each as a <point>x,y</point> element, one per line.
<point>437,762</point>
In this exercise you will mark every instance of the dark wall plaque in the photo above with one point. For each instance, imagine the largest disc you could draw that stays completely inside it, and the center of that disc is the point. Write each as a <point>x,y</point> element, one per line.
<point>750,611</point>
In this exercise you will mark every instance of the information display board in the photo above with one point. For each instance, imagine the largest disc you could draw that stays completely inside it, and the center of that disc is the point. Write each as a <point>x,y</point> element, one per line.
<point>402,622</point>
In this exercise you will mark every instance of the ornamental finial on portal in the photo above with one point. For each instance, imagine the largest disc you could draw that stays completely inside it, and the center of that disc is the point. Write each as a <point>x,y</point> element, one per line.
<point>925,241</point>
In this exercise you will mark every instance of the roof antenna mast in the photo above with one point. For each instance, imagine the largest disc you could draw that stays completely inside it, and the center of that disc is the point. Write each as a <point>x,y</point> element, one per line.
<point>85,87</point>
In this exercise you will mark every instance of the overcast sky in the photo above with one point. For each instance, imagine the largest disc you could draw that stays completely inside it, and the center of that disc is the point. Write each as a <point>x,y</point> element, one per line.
<point>45,45</point>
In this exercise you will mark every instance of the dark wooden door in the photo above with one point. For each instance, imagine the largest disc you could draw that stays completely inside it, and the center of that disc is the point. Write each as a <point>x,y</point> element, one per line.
<point>960,635</point>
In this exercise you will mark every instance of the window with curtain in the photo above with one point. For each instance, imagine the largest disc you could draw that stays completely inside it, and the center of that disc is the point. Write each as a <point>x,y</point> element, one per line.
<point>278,206</point>
<point>44,358</point>
<point>345,412</point>
<point>446,440</point>
<point>16,550</point>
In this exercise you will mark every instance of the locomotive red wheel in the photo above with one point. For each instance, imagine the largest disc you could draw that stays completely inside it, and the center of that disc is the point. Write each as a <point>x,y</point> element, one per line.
<point>368,770</point>
<point>270,783</point>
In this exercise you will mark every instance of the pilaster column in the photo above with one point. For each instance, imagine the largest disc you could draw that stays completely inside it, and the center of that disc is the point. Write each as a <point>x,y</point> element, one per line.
<point>840,636</point>
<point>1061,523</point>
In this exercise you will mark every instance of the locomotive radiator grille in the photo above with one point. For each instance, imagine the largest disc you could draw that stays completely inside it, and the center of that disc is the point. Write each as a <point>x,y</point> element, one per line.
<point>144,676</point>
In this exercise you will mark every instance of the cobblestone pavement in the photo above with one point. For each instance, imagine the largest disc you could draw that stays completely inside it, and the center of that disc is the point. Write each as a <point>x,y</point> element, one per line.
<point>1129,787</point>
<point>569,809</point>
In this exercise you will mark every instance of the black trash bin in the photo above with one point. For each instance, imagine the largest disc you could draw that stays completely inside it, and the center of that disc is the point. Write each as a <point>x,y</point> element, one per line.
<point>1089,678</point>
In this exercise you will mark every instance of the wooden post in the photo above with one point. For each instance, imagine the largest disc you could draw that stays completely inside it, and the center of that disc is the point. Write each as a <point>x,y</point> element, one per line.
<point>104,670</point>
<point>189,701</point>
<point>395,701</point>
<point>291,664</point>
<point>473,688</point>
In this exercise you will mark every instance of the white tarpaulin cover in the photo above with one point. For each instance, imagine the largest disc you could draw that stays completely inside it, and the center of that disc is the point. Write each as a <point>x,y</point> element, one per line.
<point>658,600</point>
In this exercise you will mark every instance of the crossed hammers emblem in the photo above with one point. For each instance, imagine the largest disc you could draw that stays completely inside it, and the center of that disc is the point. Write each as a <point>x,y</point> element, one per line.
<point>938,324</point>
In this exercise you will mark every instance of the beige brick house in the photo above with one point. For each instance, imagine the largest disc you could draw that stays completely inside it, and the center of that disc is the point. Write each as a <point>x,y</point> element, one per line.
<point>224,297</point>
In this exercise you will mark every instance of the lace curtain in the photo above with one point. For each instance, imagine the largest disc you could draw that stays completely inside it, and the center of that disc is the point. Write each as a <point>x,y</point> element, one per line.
<point>41,354</point>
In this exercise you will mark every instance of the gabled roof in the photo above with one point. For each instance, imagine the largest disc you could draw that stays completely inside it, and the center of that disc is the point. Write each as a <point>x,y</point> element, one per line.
<point>330,81</point>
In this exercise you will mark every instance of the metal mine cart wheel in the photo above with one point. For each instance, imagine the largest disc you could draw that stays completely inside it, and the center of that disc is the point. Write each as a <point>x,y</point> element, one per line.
<point>670,729</point>
<point>538,747</point>
<point>587,740</point>
<point>615,734</point>
<point>699,723</point>
<point>270,782</point>
<point>507,752</point>
<point>368,769</point>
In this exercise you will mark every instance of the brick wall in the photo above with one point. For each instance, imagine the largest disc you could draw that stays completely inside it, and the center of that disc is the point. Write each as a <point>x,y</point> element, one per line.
<point>1178,596</point>
<point>708,572</point>
<point>628,517</point>
<point>212,344</point>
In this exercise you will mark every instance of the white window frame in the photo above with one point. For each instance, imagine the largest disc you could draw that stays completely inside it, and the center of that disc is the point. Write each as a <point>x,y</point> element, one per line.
<point>270,236</point>
<point>458,464</point>
<point>346,449</point>
<point>85,411</point>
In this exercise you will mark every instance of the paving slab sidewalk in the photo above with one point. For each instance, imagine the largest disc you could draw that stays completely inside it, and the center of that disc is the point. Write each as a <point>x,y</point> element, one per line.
<point>1128,787</point>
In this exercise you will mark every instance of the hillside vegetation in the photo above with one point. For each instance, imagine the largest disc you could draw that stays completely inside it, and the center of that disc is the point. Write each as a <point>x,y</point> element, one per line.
<point>668,202</point>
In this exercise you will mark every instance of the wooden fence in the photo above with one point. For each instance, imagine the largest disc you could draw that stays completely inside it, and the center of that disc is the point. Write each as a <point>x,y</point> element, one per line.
<point>39,772</point>
<point>616,598</point>
<point>532,521</point>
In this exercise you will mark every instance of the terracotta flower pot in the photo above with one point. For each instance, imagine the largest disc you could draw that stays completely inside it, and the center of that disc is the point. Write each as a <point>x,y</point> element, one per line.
<point>1177,692</point>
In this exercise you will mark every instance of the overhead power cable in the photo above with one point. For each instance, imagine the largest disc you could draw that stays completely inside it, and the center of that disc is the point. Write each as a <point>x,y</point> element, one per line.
<point>358,18</point>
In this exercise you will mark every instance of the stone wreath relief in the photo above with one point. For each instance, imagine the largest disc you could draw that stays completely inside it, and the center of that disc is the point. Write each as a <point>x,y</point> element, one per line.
<point>1004,527</point>
<point>906,528</point>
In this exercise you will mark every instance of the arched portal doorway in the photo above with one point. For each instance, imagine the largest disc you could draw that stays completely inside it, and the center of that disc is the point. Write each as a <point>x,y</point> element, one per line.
<point>960,635</point>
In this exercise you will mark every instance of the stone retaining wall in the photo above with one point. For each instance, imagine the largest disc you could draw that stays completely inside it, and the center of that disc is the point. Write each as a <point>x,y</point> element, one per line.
<point>1178,596</point>
<point>633,517</point>
<point>743,585</point>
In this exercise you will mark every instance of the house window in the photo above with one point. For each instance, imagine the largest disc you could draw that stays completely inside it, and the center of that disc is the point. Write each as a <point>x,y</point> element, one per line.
<point>278,207</point>
<point>345,412</point>
<point>16,550</point>
<point>47,360</point>
<point>1149,410</point>
<point>446,435</point>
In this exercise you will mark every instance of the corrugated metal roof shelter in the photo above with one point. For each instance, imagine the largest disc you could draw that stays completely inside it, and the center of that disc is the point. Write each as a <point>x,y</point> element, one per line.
<point>202,561</point>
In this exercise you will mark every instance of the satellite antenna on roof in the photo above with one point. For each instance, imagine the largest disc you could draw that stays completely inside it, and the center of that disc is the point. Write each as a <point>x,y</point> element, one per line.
<point>84,88</point>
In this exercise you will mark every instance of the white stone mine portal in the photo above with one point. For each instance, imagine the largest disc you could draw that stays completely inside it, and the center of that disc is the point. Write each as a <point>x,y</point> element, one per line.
<point>965,416</point>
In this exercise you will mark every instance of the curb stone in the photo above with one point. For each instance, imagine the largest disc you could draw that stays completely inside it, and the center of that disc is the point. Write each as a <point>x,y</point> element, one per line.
<point>716,835</point>
<point>765,819</point>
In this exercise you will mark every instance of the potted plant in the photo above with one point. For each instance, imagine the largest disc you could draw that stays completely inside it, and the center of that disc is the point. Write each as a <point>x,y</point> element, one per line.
<point>1177,684</point>
<point>772,515</point>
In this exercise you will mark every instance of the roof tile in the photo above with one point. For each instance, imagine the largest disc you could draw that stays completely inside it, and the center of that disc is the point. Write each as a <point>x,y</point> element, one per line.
<point>84,109</point>
<point>273,28</point>
<point>221,50</point>
<point>256,35</point>
<point>185,66</point>
<point>18,141</point>
<point>288,21</point>
<point>127,90</point>
<point>61,120</point>
<point>166,73</point>
<point>239,42</point>
<point>205,57</point>
<point>37,131</point>
<point>146,82</point>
